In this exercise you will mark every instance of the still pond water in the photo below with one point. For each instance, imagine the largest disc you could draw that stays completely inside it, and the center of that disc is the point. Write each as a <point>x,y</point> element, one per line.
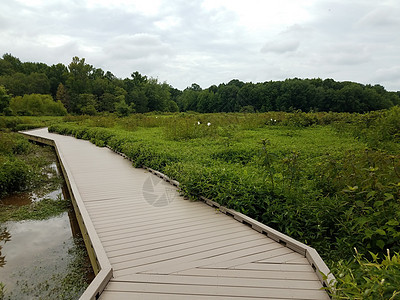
<point>43,259</point>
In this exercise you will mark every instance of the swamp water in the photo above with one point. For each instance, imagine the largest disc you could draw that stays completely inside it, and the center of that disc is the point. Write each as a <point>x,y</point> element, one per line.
<point>42,259</point>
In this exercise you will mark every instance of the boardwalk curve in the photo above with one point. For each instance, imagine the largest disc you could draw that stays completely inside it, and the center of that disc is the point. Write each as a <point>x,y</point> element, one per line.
<point>146,242</point>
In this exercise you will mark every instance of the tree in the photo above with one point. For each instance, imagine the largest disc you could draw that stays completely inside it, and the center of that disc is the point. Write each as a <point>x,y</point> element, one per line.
<point>138,79</point>
<point>227,98</point>
<point>38,83</point>
<point>78,77</point>
<point>188,100</point>
<point>57,74</point>
<point>107,102</point>
<point>62,96</point>
<point>86,104</point>
<point>37,105</point>
<point>4,99</point>
<point>122,109</point>
<point>205,101</point>
<point>16,84</point>
<point>14,63</point>
<point>34,67</point>
<point>6,68</point>
<point>157,94</point>
<point>245,97</point>
<point>172,106</point>
<point>195,87</point>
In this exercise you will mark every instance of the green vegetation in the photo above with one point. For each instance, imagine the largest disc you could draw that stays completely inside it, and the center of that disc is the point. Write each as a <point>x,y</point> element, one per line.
<point>86,90</point>
<point>37,105</point>
<point>325,179</point>
<point>40,210</point>
<point>25,166</point>
<point>368,279</point>
<point>25,123</point>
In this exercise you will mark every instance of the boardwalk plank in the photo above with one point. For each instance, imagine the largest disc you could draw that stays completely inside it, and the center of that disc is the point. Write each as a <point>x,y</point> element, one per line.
<point>226,291</point>
<point>248,273</point>
<point>223,281</point>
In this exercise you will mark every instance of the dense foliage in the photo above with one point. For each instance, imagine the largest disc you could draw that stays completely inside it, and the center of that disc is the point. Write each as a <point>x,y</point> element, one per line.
<point>289,95</point>
<point>22,164</point>
<point>84,89</point>
<point>14,172</point>
<point>37,105</point>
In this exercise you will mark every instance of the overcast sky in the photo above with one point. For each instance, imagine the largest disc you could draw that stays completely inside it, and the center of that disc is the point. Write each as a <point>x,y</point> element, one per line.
<point>211,41</point>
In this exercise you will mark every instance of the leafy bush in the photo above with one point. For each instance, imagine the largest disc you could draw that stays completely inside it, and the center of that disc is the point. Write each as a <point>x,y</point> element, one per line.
<point>25,123</point>
<point>37,105</point>
<point>14,175</point>
<point>300,119</point>
<point>365,279</point>
<point>13,144</point>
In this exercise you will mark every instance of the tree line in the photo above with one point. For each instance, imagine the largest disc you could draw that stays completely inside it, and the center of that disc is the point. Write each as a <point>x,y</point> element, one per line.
<point>80,88</point>
<point>292,94</point>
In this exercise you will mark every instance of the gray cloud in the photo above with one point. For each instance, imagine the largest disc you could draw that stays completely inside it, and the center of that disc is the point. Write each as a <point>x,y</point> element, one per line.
<point>281,46</point>
<point>379,18</point>
<point>183,42</point>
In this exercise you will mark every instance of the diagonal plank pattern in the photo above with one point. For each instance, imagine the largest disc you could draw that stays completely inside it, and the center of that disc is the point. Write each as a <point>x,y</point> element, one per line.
<point>161,246</point>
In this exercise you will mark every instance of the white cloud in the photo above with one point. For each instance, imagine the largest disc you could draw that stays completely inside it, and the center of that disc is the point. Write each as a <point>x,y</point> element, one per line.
<point>211,41</point>
<point>168,23</point>
<point>148,7</point>
<point>260,15</point>
<point>54,40</point>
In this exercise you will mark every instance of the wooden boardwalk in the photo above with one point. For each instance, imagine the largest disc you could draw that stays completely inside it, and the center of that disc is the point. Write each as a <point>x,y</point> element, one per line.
<point>147,242</point>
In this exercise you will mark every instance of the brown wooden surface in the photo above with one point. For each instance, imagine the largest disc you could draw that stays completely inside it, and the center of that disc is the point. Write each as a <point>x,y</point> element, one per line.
<point>183,250</point>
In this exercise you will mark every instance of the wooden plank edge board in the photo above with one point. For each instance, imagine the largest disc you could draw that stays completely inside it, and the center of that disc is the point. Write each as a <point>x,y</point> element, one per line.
<point>321,269</point>
<point>98,258</point>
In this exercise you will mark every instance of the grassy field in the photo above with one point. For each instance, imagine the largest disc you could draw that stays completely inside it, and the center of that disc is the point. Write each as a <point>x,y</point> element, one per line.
<point>327,179</point>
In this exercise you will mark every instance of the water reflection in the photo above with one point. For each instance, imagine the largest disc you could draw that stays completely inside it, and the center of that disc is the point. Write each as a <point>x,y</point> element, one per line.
<point>36,257</point>
<point>5,237</point>
<point>26,198</point>
<point>36,252</point>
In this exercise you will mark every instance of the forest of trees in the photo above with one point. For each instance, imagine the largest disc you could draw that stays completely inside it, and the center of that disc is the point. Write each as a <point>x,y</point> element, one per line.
<point>81,88</point>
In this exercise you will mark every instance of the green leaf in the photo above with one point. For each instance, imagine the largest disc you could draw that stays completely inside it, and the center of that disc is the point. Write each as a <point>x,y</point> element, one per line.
<point>380,244</point>
<point>378,203</point>
<point>389,196</point>
<point>392,222</point>
<point>360,203</point>
<point>380,231</point>
<point>361,221</point>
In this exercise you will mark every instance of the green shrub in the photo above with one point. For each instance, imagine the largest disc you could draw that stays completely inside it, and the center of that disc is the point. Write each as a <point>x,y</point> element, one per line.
<point>21,127</point>
<point>11,143</point>
<point>300,119</point>
<point>14,175</point>
<point>37,105</point>
<point>367,279</point>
